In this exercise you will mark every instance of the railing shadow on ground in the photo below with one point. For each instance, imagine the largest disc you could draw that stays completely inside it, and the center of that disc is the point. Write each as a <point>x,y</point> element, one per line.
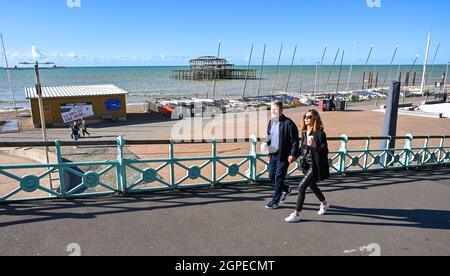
<point>414,218</point>
<point>92,208</point>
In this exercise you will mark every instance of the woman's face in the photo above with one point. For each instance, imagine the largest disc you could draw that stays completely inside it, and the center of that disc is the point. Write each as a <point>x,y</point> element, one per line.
<point>309,119</point>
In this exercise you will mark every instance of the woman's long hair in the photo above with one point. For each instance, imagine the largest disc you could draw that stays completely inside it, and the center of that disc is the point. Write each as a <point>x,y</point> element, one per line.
<point>318,124</point>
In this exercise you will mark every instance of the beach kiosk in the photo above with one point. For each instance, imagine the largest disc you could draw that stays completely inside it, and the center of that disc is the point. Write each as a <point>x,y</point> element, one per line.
<point>66,104</point>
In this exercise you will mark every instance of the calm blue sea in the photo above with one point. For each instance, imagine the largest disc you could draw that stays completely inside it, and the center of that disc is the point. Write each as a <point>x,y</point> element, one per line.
<point>146,82</point>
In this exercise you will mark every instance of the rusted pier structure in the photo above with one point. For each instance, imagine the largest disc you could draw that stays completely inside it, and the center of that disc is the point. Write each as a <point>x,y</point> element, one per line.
<point>210,68</point>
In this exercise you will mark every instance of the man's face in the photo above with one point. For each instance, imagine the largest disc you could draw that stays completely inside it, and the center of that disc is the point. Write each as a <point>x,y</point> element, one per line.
<point>276,112</point>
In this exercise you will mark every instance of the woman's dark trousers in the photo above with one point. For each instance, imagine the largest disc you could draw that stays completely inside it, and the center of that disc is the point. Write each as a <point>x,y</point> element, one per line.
<point>310,180</point>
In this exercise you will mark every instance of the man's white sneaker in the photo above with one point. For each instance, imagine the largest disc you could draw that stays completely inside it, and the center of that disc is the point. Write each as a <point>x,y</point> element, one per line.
<point>324,209</point>
<point>293,218</point>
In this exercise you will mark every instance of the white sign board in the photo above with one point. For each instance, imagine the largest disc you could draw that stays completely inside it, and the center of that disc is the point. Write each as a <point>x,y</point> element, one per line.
<point>74,112</point>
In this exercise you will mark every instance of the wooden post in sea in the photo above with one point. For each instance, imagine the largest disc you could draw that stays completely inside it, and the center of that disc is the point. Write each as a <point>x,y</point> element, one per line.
<point>363,80</point>
<point>372,82</point>
<point>376,81</point>
<point>408,75</point>
<point>367,62</point>
<point>373,77</point>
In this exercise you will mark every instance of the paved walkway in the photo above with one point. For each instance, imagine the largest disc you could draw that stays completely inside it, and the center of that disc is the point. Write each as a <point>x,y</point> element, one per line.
<point>336,123</point>
<point>406,213</point>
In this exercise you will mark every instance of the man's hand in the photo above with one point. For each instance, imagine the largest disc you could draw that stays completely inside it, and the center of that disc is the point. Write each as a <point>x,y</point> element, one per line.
<point>292,159</point>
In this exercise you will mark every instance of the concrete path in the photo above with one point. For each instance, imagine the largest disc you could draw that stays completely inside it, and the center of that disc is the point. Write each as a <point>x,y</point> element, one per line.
<point>405,213</point>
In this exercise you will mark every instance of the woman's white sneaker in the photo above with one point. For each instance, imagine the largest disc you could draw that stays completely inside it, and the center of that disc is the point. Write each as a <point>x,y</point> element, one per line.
<point>324,209</point>
<point>293,218</point>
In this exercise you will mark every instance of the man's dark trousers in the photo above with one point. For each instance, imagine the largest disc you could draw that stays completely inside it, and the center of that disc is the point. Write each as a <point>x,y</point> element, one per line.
<point>278,170</point>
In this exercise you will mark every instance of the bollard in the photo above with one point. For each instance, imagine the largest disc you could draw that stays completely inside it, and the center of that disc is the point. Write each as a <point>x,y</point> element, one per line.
<point>390,119</point>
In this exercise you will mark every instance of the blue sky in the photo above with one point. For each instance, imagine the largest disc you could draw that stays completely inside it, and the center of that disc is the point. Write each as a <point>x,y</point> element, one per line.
<point>170,32</point>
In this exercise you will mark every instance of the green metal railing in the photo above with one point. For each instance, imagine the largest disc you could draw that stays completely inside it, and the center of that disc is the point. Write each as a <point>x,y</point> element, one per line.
<point>143,175</point>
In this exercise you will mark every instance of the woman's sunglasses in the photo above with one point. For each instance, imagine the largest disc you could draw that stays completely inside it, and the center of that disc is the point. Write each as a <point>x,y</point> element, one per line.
<point>308,117</point>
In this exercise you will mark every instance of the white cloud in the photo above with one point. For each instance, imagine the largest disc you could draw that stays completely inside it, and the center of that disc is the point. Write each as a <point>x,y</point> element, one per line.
<point>72,58</point>
<point>73,55</point>
<point>36,54</point>
<point>16,54</point>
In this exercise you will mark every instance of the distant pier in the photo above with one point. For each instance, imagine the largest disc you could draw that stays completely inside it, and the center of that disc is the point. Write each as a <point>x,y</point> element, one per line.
<point>210,68</point>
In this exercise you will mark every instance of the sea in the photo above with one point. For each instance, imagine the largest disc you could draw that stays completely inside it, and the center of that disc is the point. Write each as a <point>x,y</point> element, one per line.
<point>146,83</point>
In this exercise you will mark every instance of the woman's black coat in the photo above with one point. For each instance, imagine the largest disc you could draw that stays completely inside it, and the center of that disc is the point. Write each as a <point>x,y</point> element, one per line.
<point>321,165</point>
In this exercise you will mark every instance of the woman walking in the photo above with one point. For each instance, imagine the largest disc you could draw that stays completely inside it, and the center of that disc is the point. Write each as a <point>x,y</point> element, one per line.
<point>314,150</point>
<point>84,128</point>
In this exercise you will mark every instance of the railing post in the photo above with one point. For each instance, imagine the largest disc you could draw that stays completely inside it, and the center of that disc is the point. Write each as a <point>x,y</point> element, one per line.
<point>388,158</point>
<point>408,150</point>
<point>172,164</point>
<point>425,150</point>
<point>62,181</point>
<point>366,154</point>
<point>214,161</point>
<point>254,157</point>
<point>343,153</point>
<point>121,169</point>
<point>441,151</point>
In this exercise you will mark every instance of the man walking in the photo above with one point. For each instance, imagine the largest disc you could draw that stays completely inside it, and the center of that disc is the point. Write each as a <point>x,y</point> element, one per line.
<point>284,144</point>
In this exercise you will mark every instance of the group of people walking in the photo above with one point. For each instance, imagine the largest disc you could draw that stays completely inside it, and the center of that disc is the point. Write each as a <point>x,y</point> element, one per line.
<point>75,129</point>
<point>286,145</point>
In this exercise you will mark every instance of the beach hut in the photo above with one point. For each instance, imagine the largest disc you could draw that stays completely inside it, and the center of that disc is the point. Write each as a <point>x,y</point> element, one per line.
<point>66,104</point>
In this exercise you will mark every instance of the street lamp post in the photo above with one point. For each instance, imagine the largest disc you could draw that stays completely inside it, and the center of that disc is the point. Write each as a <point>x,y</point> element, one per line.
<point>38,87</point>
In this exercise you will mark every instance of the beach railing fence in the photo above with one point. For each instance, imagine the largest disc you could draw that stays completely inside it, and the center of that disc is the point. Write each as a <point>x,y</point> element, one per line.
<point>134,175</point>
